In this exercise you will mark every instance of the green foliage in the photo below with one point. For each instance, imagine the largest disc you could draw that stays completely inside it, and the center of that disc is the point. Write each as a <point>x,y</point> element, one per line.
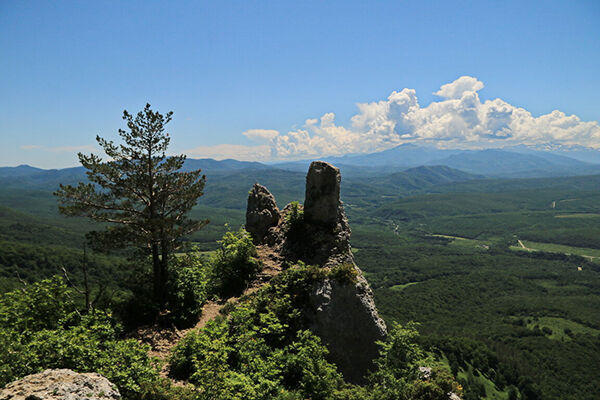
<point>398,363</point>
<point>261,349</point>
<point>473,295</point>
<point>294,220</point>
<point>344,273</point>
<point>37,307</point>
<point>33,262</point>
<point>398,375</point>
<point>188,282</point>
<point>41,328</point>
<point>436,387</point>
<point>400,353</point>
<point>305,369</point>
<point>234,264</point>
<point>31,217</point>
<point>467,298</point>
<point>295,215</point>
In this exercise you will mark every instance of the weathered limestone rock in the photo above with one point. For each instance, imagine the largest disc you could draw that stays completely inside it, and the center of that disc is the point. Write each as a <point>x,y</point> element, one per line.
<point>322,200</point>
<point>262,213</point>
<point>346,320</point>
<point>343,314</point>
<point>63,384</point>
<point>325,237</point>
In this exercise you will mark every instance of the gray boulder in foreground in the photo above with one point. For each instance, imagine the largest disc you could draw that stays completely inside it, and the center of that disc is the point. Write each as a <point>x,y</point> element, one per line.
<point>63,384</point>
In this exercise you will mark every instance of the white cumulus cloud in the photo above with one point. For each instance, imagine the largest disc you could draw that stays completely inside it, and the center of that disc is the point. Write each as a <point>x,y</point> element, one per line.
<point>459,120</point>
<point>455,90</point>
<point>235,151</point>
<point>261,135</point>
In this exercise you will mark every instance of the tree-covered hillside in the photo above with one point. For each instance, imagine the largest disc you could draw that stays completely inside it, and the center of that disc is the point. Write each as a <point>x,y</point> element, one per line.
<point>502,275</point>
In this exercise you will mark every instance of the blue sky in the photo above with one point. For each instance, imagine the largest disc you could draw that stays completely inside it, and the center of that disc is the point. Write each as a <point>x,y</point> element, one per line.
<point>302,79</point>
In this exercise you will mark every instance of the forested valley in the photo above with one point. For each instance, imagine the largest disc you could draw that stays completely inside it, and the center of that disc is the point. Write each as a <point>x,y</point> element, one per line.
<point>502,277</point>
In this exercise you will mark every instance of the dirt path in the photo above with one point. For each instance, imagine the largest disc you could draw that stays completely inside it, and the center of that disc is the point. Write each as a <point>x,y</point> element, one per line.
<point>521,245</point>
<point>210,310</point>
<point>163,339</point>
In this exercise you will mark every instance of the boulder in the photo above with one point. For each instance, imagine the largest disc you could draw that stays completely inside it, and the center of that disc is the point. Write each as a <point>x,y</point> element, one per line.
<point>63,384</point>
<point>262,213</point>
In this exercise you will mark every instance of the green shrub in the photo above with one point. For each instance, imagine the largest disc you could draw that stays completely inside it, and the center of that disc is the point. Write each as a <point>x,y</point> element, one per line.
<point>191,351</point>
<point>295,215</point>
<point>42,305</point>
<point>397,376</point>
<point>344,273</point>
<point>436,387</point>
<point>234,264</point>
<point>294,219</point>
<point>304,367</point>
<point>63,338</point>
<point>187,288</point>
<point>546,331</point>
<point>261,349</point>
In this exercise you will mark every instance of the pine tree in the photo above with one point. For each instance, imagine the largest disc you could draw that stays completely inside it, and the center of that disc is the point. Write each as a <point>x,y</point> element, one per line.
<point>140,192</point>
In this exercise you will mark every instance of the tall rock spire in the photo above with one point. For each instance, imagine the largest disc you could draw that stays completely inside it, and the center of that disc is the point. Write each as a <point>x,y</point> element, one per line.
<point>341,312</point>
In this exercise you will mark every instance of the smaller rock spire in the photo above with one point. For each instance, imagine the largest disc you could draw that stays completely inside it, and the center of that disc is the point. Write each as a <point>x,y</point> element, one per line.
<point>262,213</point>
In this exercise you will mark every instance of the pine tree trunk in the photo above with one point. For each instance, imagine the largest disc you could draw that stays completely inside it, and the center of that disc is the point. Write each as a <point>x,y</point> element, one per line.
<point>164,270</point>
<point>156,275</point>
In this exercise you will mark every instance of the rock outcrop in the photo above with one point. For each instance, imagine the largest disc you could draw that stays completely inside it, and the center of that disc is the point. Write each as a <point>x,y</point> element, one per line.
<point>345,318</point>
<point>341,313</point>
<point>262,213</point>
<point>322,199</point>
<point>63,384</point>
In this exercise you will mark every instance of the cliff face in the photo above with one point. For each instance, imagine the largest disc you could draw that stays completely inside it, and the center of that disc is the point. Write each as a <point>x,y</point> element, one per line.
<point>341,313</point>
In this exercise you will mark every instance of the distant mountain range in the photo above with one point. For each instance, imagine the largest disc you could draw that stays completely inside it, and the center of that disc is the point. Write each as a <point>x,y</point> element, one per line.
<point>513,162</point>
<point>407,165</point>
<point>502,163</point>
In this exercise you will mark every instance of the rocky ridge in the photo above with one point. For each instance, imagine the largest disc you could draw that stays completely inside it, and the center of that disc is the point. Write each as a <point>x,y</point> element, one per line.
<point>341,313</point>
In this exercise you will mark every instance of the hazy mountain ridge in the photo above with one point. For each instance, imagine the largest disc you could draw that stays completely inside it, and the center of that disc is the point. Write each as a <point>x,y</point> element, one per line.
<point>401,161</point>
<point>424,176</point>
<point>227,182</point>
<point>20,170</point>
<point>509,162</point>
<point>502,163</point>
